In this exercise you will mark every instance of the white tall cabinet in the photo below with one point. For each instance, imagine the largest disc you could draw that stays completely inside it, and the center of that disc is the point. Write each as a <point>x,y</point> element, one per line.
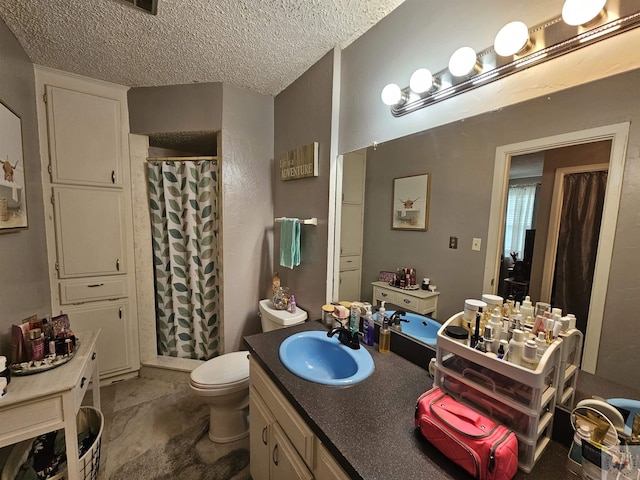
<point>83,129</point>
<point>351,225</point>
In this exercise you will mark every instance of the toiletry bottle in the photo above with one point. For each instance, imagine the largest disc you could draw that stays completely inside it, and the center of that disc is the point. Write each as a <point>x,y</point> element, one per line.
<point>385,337</point>
<point>496,323</point>
<point>541,344</point>
<point>529,358</point>
<point>354,318</point>
<point>480,346</point>
<point>369,327</point>
<point>526,309</point>
<point>425,284</point>
<point>503,349</point>
<point>488,339</point>
<point>382,313</point>
<point>292,304</point>
<point>516,347</point>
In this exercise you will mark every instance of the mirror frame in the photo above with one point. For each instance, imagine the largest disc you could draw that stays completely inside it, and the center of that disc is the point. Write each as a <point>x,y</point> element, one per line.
<point>618,134</point>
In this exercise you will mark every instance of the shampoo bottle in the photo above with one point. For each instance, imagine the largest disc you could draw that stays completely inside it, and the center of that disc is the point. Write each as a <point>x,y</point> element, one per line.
<point>369,327</point>
<point>385,336</point>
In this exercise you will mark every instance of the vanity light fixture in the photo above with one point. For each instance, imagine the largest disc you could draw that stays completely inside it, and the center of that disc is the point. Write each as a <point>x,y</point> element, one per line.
<point>464,62</point>
<point>512,39</point>
<point>516,47</point>
<point>582,12</point>
<point>391,94</point>
<point>421,81</point>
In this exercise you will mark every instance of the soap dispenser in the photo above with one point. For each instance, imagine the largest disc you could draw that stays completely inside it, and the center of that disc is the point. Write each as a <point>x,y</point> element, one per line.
<point>385,336</point>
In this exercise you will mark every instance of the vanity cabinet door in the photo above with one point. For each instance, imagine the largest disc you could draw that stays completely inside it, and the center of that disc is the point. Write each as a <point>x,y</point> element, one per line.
<point>285,461</point>
<point>350,285</point>
<point>351,230</point>
<point>85,138</point>
<point>90,235</point>
<point>259,435</point>
<point>327,468</point>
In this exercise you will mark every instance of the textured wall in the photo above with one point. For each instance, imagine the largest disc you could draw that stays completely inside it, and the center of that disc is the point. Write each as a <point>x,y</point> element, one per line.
<point>460,157</point>
<point>23,255</point>
<point>302,116</point>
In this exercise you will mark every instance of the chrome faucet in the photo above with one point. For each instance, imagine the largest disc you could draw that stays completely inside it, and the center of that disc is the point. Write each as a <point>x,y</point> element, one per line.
<point>394,321</point>
<point>346,337</point>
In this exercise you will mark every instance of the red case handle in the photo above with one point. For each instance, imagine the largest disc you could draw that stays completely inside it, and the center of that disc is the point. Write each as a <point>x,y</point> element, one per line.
<point>461,411</point>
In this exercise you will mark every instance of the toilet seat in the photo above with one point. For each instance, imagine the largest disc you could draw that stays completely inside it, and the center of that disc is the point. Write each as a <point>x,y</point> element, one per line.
<point>226,372</point>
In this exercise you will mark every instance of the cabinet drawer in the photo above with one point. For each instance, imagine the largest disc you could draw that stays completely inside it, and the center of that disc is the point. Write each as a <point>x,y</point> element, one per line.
<point>91,290</point>
<point>85,378</point>
<point>295,428</point>
<point>31,419</point>
<point>384,295</point>
<point>350,263</point>
<point>421,305</point>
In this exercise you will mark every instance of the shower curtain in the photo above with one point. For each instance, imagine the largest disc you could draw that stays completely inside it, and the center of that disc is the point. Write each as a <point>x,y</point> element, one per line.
<point>183,198</point>
<point>580,219</point>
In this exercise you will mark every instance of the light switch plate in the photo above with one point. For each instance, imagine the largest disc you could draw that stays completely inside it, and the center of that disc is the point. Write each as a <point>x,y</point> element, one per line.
<point>475,245</point>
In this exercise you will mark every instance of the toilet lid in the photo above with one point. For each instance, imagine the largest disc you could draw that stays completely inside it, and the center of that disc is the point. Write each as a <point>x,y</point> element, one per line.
<point>226,369</point>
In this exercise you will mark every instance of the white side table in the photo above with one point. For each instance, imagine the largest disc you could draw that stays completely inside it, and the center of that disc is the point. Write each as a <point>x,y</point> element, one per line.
<point>420,301</point>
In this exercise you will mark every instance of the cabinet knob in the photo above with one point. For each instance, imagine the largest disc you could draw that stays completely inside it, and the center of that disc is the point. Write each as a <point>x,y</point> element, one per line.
<point>93,357</point>
<point>274,455</point>
<point>264,435</point>
<point>84,379</point>
<point>113,176</point>
<point>382,294</point>
<point>406,300</point>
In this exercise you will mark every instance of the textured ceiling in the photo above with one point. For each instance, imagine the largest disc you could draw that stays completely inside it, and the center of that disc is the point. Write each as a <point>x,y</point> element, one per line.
<point>263,45</point>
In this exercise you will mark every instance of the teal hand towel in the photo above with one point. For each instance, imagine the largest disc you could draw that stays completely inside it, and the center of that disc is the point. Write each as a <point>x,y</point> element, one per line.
<point>290,242</point>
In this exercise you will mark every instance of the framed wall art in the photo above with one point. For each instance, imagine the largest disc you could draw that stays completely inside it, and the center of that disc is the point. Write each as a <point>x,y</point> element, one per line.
<point>411,202</point>
<point>13,209</point>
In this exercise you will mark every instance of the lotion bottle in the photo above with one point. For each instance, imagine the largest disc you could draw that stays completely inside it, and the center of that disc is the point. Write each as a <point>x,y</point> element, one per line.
<point>496,323</point>
<point>382,313</point>
<point>530,359</point>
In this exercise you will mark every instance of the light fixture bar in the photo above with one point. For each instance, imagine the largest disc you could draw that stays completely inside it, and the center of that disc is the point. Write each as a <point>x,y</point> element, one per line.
<point>550,39</point>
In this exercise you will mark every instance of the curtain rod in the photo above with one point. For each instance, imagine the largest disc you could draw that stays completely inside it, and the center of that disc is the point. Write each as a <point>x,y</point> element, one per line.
<point>182,159</point>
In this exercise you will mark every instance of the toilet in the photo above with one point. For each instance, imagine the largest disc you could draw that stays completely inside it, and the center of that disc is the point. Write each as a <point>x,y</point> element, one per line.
<point>223,381</point>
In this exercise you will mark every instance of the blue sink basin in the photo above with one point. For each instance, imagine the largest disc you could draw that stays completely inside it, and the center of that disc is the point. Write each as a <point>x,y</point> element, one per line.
<point>320,359</point>
<point>421,328</point>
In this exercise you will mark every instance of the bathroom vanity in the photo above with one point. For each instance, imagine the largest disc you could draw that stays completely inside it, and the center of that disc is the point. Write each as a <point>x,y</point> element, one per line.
<point>364,431</point>
<point>419,301</point>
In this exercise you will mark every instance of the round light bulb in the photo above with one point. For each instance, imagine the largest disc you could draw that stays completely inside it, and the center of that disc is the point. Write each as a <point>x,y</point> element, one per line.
<point>463,62</point>
<point>391,94</point>
<point>511,39</point>
<point>579,12</point>
<point>421,81</point>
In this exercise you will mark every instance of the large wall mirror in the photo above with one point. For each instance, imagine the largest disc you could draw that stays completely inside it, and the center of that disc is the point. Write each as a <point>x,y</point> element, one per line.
<point>469,186</point>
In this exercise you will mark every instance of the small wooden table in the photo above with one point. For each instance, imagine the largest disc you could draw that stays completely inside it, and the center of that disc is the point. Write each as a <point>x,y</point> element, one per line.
<point>47,401</point>
<point>423,302</point>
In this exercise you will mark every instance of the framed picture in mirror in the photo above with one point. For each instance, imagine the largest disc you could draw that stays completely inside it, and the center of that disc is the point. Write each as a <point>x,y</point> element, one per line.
<point>410,209</point>
<point>13,211</point>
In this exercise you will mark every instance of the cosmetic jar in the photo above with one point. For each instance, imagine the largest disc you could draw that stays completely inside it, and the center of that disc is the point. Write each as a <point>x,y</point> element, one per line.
<point>459,334</point>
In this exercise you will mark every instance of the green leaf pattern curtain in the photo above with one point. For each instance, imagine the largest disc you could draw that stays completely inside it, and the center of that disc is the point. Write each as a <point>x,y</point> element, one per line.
<point>183,200</point>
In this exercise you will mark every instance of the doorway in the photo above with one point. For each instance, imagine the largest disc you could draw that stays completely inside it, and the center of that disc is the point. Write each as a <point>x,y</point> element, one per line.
<point>618,135</point>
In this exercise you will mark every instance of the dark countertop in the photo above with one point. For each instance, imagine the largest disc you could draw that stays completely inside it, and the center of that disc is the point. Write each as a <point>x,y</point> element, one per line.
<point>368,427</point>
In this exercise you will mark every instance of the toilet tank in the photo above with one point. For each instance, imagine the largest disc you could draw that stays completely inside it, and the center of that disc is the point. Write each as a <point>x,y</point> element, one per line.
<point>272,318</point>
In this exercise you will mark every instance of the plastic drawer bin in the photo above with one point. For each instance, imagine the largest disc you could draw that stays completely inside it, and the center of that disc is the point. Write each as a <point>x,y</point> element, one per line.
<point>531,426</point>
<point>529,451</point>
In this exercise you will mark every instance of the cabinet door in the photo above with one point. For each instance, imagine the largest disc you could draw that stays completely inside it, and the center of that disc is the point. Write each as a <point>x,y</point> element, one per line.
<point>90,235</point>
<point>259,434</point>
<point>353,171</point>
<point>114,340</point>
<point>328,468</point>
<point>351,230</point>
<point>286,464</point>
<point>84,138</point>
<point>349,285</point>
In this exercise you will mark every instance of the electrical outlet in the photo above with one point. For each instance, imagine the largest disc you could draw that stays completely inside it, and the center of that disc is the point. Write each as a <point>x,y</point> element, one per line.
<point>453,242</point>
<point>475,245</point>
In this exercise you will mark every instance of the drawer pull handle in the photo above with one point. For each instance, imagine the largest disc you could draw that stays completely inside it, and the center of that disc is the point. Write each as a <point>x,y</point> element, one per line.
<point>264,435</point>
<point>84,379</point>
<point>118,264</point>
<point>120,313</point>
<point>274,455</point>
<point>93,357</point>
<point>384,294</point>
<point>94,285</point>
<point>113,176</point>
<point>406,300</point>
